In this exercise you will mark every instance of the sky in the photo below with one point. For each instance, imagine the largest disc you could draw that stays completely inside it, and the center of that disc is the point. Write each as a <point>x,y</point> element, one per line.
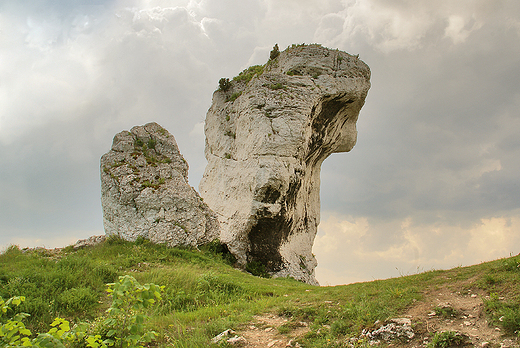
<point>433,182</point>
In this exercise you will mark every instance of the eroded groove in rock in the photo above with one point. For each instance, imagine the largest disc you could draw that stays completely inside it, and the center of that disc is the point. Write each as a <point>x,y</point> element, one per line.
<point>145,191</point>
<point>266,139</point>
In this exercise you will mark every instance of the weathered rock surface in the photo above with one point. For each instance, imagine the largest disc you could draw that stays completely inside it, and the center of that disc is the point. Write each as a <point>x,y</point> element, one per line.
<point>89,242</point>
<point>145,191</point>
<point>265,142</point>
<point>394,329</point>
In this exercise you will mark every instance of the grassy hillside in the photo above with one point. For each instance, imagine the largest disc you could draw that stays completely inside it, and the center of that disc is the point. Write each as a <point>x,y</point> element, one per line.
<point>204,295</point>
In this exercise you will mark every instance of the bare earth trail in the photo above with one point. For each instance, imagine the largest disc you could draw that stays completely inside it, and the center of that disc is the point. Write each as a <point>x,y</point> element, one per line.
<point>263,332</point>
<point>467,318</point>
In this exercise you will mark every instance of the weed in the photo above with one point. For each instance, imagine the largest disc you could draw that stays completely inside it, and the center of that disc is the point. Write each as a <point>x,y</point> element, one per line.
<point>221,250</point>
<point>258,269</point>
<point>234,96</point>
<point>230,134</point>
<point>124,326</point>
<point>303,259</point>
<point>445,311</point>
<point>277,86</point>
<point>293,46</point>
<point>151,160</point>
<point>447,339</point>
<point>512,264</point>
<point>227,155</point>
<point>284,329</point>
<point>341,327</point>
<point>148,183</point>
<point>247,74</point>
<point>503,313</point>
<point>76,300</point>
<point>151,143</point>
<point>490,280</point>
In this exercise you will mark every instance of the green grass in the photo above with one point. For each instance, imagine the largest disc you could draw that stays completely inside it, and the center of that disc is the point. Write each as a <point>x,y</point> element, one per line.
<point>204,295</point>
<point>234,96</point>
<point>248,74</point>
<point>447,339</point>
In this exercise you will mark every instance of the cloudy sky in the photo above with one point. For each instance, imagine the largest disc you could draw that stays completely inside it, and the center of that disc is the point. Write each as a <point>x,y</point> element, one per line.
<point>432,183</point>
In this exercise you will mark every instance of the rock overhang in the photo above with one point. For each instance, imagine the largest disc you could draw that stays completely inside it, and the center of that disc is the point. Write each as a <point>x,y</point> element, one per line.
<point>265,141</point>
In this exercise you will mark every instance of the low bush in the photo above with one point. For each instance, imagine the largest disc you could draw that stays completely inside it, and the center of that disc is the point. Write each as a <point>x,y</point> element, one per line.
<point>234,96</point>
<point>274,53</point>
<point>258,269</point>
<point>247,74</point>
<point>124,325</point>
<point>447,339</point>
<point>224,84</point>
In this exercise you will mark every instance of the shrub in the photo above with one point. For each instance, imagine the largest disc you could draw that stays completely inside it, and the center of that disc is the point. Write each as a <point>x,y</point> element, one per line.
<point>234,96</point>
<point>447,339</point>
<point>247,74</point>
<point>445,311</point>
<point>258,269</point>
<point>276,86</point>
<point>512,264</point>
<point>274,53</point>
<point>217,248</point>
<point>124,326</point>
<point>126,319</point>
<point>224,84</point>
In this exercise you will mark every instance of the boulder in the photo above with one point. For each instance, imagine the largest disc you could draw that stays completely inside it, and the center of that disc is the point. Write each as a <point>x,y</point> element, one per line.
<point>145,191</point>
<point>266,138</point>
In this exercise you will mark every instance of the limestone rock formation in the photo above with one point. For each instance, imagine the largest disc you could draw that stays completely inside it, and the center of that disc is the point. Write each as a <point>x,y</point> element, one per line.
<point>266,138</point>
<point>89,242</point>
<point>145,191</point>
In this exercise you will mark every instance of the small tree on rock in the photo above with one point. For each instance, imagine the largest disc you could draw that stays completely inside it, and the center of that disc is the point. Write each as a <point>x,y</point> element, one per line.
<point>224,84</point>
<point>275,52</point>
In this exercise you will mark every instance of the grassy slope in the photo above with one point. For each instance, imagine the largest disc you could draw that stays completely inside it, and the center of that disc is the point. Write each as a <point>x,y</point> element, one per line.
<point>204,295</point>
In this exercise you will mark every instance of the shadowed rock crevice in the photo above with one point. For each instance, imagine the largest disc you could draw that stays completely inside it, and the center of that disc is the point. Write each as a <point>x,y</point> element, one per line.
<point>265,142</point>
<point>265,237</point>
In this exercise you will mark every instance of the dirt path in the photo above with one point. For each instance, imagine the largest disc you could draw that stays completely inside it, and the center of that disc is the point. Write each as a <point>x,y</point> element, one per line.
<point>457,306</point>
<point>446,310</point>
<point>264,332</point>
<point>441,309</point>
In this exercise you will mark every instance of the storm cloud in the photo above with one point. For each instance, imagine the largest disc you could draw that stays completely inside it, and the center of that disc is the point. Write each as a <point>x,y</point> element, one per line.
<point>431,183</point>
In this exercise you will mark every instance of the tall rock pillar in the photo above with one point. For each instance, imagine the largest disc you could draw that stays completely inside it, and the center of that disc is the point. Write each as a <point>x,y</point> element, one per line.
<point>267,133</point>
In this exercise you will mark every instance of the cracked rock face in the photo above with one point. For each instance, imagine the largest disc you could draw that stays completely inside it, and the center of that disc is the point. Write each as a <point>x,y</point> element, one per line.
<point>145,191</point>
<point>265,142</point>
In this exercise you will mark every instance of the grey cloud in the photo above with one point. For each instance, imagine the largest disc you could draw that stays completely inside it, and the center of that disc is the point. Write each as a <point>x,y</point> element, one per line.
<point>437,144</point>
